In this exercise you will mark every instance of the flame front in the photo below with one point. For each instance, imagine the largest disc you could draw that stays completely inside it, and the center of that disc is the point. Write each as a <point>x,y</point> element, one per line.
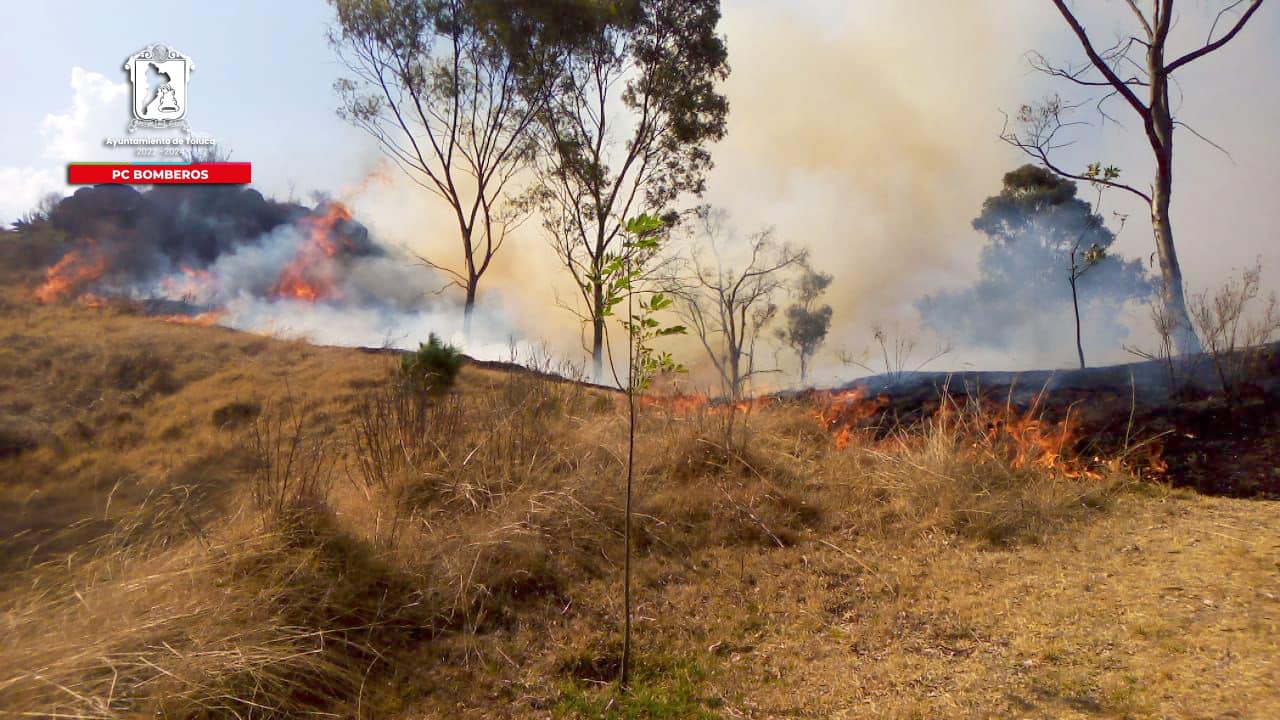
<point>844,412</point>
<point>309,275</point>
<point>1024,439</point>
<point>204,319</point>
<point>71,273</point>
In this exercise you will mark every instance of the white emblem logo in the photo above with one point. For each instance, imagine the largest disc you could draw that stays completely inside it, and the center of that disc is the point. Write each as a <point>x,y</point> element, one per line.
<point>159,76</point>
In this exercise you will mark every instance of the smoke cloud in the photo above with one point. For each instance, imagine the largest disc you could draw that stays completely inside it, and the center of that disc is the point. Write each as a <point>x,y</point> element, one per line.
<point>1041,237</point>
<point>231,255</point>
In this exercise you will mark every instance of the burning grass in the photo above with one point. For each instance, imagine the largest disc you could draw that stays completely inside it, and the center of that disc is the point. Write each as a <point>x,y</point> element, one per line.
<point>309,275</point>
<point>71,273</point>
<point>96,273</point>
<point>220,525</point>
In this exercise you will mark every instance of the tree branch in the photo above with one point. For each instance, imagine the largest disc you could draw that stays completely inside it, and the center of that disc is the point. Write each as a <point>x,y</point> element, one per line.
<point>1098,61</point>
<point>1210,47</point>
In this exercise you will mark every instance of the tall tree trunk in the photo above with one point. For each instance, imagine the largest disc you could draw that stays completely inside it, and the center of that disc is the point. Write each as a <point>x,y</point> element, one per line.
<point>1075,305</point>
<point>735,368</point>
<point>473,279</point>
<point>1160,133</point>
<point>597,334</point>
<point>469,308</point>
<point>1185,340</point>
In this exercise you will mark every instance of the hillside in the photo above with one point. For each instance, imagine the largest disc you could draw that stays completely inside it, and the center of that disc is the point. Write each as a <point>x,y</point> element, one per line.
<point>204,523</point>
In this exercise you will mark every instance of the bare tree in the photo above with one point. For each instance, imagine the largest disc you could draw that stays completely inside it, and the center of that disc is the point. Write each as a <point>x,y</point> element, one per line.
<point>448,105</point>
<point>1081,259</point>
<point>1137,63</point>
<point>897,354</point>
<point>1235,329</point>
<point>728,305</point>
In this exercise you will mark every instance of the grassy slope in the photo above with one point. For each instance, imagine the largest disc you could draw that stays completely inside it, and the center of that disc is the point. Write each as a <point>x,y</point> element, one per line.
<point>1165,608</point>
<point>783,579</point>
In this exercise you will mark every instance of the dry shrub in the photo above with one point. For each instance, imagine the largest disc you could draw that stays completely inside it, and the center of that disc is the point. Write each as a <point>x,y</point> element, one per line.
<point>18,434</point>
<point>461,451</point>
<point>704,485</point>
<point>236,414</point>
<point>488,494</point>
<point>141,373</point>
<point>293,462</point>
<point>1235,324</point>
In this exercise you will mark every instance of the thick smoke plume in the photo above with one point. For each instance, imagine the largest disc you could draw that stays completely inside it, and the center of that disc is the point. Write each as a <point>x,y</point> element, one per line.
<point>140,237</point>
<point>231,256</point>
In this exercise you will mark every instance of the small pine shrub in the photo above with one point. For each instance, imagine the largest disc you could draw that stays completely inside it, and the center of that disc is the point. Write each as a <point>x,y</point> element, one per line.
<point>434,366</point>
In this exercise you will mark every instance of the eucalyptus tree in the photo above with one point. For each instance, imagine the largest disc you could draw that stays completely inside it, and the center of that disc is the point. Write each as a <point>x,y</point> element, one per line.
<point>444,99</point>
<point>632,103</point>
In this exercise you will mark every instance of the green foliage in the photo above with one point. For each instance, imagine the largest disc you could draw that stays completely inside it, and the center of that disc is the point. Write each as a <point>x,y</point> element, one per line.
<point>619,277</point>
<point>617,282</point>
<point>662,689</point>
<point>633,100</point>
<point>1100,177</point>
<point>431,84</point>
<point>807,323</point>
<point>434,366</point>
<point>1095,172</point>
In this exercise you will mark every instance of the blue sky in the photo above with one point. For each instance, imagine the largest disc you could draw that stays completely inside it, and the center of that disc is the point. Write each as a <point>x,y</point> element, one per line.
<point>262,83</point>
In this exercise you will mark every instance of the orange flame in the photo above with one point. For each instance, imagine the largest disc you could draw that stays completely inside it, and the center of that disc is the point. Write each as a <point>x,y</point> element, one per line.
<point>70,273</point>
<point>91,300</point>
<point>844,412</point>
<point>1024,439</point>
<point>309,276</point>
<point>204,319</point>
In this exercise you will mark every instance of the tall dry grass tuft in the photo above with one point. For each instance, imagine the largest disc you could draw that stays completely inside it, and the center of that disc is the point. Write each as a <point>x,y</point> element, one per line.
<point>293,462</point>
<point>498,495</point>
<point>243,622</point>
<point>986,472</point>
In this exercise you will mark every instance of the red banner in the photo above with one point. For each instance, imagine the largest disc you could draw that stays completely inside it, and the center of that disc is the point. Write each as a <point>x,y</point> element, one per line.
<point>216,173</point>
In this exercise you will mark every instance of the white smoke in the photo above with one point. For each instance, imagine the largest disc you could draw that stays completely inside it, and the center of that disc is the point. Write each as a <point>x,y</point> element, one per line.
<point>379,300</point>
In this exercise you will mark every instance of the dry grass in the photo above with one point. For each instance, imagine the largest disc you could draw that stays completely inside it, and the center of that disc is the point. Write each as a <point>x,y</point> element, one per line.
<point>201,523</point>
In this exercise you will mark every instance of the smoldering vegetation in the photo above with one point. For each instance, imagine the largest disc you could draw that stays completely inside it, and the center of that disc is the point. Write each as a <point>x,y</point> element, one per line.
<point>144,236</point>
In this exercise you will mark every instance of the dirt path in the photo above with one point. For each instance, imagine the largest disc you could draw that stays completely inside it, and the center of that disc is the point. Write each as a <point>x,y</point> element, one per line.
<point>1163,607</point>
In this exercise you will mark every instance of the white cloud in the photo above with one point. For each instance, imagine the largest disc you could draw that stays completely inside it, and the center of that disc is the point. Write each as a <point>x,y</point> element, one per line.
<point>22,187</point>
<point>98,108</point>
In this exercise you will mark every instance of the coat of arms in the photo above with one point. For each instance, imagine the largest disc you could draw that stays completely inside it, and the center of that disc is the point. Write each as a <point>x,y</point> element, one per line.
<point>159,76</point>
